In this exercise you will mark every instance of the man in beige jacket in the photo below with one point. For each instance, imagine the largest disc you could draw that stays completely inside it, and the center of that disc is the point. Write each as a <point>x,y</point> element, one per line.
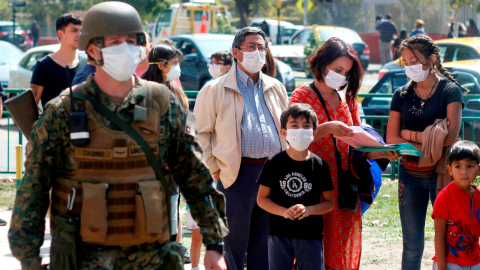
<point>238,123</point>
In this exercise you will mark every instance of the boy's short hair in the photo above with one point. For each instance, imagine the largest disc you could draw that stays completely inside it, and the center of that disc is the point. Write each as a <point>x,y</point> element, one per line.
<point>464,150</point>
<point>224,56</point>
<point>297,110</point>
<point>67,18</point>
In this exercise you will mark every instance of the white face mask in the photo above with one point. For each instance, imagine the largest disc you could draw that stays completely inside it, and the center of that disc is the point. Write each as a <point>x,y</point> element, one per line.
<point>120,61</point>
<point>300,138</point>
<point>215,71</point>
<point>253,61</point>
<point>174,73</point>
<point>334,80</point>
<point>143,53</point>
<point>416,72</point>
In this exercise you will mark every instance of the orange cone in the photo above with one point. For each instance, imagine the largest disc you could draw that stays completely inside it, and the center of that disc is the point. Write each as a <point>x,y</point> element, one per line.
<point>203,26</point>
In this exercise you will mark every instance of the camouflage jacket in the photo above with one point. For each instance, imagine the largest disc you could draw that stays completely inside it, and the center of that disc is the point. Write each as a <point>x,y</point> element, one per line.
<point>53,152</point>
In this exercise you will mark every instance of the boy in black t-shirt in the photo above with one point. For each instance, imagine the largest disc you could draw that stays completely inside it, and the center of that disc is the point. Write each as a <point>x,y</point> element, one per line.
<point>296,189</point>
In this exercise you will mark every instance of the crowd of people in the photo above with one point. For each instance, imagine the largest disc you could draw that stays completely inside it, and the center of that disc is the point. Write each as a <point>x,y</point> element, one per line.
<point>261,172</point>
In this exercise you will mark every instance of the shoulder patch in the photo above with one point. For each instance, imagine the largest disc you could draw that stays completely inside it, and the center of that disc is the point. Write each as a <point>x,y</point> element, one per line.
<point>190,124</point>
<point>41,133</point>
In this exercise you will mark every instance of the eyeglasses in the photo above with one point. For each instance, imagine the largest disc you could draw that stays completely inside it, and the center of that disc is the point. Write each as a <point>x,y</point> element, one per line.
<point>252,48</point>
<point>216,64</point>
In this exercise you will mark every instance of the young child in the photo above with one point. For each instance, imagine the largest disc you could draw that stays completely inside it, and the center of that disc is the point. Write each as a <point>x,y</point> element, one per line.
<point>296,189</point>
<point>220,64</point>
<point>456,212</point>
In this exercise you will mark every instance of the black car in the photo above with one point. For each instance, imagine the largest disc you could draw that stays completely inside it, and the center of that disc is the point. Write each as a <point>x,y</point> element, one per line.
<point>392,80</point>
<point>197,50</point>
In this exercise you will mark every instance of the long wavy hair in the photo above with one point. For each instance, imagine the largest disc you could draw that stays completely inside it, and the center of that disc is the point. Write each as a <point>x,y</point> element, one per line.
<point>162,54</point>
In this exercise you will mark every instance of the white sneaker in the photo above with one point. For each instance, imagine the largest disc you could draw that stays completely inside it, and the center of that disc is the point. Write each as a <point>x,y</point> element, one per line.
<point>196,268</point>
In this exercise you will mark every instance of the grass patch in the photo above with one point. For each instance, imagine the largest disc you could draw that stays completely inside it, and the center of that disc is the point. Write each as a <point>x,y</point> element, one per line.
<point>7,193</point>
<point>382,220</point>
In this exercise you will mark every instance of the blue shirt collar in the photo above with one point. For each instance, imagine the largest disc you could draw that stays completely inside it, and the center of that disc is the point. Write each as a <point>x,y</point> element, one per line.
<point>245,79</point>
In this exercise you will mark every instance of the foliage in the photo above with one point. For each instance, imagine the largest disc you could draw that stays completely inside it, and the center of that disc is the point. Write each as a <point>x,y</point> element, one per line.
<point>314,42</point>
<point>223,26</point>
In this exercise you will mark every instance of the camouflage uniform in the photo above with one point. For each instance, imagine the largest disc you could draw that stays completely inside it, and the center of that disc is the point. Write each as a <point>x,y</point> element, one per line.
<point>51,151</point>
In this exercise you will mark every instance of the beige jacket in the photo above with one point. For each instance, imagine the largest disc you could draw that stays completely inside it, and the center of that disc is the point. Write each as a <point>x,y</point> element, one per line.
<point>218,112</point>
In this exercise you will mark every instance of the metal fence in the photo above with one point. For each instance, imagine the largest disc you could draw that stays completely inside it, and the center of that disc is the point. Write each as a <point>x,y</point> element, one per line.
<point>14,135</point>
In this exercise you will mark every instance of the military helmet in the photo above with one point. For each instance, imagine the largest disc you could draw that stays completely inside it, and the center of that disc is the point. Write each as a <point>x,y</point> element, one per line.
<point>110,19</point>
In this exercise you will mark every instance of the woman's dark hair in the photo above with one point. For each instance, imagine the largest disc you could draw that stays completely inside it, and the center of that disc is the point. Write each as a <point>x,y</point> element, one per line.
<point>329,52</point>
<point>464,150</point>
<point>297,110</point>
<point>162,54</point>
<point>403,34</point>
<point>427,47</point>
<point>269,68</point>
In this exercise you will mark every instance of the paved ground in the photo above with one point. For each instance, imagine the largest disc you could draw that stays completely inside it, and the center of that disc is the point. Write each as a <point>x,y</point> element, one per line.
<point>8,262</point>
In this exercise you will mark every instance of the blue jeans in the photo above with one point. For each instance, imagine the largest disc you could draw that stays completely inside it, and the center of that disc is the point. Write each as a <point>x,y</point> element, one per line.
<point>452,266</point>
<point>282,251</point>
<point>247,222</point>
<point>413,197</point>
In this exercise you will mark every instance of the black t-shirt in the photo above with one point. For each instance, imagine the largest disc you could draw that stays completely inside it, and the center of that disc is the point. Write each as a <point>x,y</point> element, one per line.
<point>435,107</point>
<point>53,77</point>
<point>296,182</point>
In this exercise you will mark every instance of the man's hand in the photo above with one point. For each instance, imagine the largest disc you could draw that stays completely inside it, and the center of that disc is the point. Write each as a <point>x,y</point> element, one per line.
<point>302,211</point>
<point>216,175</point>
<point>214,260</point>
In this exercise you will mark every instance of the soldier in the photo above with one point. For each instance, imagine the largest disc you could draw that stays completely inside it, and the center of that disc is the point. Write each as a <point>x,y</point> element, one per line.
<point>109,183</point>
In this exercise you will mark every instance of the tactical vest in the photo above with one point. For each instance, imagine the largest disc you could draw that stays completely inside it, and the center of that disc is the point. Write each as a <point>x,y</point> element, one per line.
<point>118,198</point>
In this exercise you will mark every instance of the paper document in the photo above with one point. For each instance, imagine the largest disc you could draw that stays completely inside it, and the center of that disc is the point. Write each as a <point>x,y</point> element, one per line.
<point>403,148</point>
<point>360,138</point>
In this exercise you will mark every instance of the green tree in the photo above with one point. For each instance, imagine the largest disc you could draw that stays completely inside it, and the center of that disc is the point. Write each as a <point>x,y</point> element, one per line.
<point>314,42</point>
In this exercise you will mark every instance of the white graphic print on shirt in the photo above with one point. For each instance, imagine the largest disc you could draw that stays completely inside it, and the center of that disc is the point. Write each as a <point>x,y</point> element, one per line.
<point>295,185</point>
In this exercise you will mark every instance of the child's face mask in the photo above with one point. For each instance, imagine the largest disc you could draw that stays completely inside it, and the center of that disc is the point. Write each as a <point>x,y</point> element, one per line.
<point>300,138</point>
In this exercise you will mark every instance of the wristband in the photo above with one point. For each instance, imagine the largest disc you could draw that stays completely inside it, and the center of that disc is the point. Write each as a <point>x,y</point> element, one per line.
<point>416,140</point>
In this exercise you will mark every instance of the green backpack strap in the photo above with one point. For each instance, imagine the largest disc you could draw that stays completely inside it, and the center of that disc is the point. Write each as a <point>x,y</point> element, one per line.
<point>100,108</point>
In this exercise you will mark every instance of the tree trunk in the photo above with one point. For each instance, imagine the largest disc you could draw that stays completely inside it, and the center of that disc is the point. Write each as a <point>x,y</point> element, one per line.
<point>244,11</point>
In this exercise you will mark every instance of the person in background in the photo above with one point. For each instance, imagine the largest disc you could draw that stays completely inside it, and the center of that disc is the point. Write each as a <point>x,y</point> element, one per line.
<point>472,30</point>
<point>269,68</point>
<point>144,52</point>
<point>49,77</point>
<point>414,107</point>
<point>456,229</point>
<point>398,41</point>
<point>238,125</point>
<point>266,30</point>
<point>378,19</point>
<point>164,68</point>
<point>419,28</point>
<point>297,202</point>
<point>387,31</point>
<point>35,32</point>
<point>220,64</point>
<point>462,30</point>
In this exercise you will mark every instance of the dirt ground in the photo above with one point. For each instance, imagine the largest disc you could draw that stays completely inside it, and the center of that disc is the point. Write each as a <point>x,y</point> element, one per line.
<point>380,256</point>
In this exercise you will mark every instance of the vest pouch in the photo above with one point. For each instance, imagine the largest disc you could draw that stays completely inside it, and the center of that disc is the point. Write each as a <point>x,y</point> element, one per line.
<point>149,202</point>
<point>93,219</point>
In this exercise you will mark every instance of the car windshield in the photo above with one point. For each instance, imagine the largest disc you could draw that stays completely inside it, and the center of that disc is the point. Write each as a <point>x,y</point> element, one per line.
<point>208,47</point>
<point>10,53</point>
<point>6,28</point>
<point>347,35</point>
<point>165,16</point>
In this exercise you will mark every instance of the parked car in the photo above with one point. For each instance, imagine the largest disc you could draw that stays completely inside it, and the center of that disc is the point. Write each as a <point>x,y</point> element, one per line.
<point>272,27</point>
<point>288,32</point>
<point>6,33</point>
<point>293,54</point>
<point>10,56</point>
<point>197,50</point>
<point>21,73</point>
<point>451,50</point>
<point>466,76</point>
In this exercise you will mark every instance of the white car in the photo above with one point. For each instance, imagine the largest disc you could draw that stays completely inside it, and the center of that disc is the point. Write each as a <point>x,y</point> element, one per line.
<point>21,74</point>
<point>9,56</point>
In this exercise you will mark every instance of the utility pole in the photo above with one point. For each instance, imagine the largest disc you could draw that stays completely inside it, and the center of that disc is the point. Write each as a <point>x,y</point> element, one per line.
<point>13,5</point>
<point>279,33</point>
<point>305,10</point>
